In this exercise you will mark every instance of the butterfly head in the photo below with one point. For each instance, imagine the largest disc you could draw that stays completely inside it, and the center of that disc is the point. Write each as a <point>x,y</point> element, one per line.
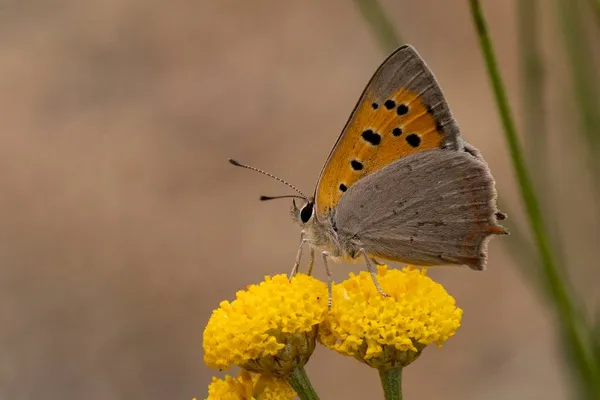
<point>304,214</point>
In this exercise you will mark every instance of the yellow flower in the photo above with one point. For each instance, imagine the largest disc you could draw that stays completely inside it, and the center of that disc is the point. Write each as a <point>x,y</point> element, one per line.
<point>249,387</point>
<point>388,332</point>
<point>270,328</point>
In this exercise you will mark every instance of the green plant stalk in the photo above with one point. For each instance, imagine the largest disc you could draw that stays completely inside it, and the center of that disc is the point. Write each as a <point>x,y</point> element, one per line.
<point>572,326</point>
<point>582,69</point>
<point>532,73</point>
<point>391,381</point>
<point>373,13</point>
<point>596,334</point>
<point>596,7</point>
<point>299,381</point>
<point>533,77</point>
<point>584,77</point>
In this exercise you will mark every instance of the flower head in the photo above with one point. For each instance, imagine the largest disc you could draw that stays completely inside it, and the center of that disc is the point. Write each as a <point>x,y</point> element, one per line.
<point>270,328</point>
<point>387,332</point>
<point>249,387</point>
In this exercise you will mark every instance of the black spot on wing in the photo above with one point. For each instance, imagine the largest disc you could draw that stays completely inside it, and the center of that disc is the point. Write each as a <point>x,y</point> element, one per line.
<point>356,165</point>
<point>371,137</point>
<point>413,139</point>
<point>402,109</point>
<point>389,104</point>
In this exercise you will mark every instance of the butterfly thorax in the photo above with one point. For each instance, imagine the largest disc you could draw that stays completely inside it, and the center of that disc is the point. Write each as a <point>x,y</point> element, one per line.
<point>321,234</point>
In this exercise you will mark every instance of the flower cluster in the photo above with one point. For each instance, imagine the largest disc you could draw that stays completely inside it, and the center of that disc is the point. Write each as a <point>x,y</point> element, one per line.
<point>271,329</point>
<point>248,387</point>
<point>385,332</point>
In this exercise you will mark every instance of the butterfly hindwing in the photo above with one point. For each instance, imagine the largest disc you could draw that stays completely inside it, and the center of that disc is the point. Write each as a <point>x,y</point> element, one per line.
<point>402,111</point>
<point>406,213</point>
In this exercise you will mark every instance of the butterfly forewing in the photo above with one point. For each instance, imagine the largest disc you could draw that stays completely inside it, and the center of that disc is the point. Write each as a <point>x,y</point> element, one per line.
<point>402,111</point>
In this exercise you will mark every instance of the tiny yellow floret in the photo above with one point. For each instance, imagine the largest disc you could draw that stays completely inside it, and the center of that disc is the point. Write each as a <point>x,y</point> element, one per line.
<point>387,332</point>
<point>249,387</point>
<point>270,328</point>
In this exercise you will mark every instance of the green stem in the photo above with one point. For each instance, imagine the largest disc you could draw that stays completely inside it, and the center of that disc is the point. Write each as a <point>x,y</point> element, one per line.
<point>391,381</point>
<point>596,7</point>
<point>584,77</point>
<point>583,73</point>
<point>532,78</point>
<point>554,284</point>
<point>299,381</point>
<point>382,27</point>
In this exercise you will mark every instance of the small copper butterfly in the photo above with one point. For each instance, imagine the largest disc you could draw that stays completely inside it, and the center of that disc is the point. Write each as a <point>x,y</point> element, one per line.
<point>400,183</point>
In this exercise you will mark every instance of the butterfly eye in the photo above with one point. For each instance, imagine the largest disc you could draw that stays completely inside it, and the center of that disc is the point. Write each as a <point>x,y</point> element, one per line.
<point>306,212</point>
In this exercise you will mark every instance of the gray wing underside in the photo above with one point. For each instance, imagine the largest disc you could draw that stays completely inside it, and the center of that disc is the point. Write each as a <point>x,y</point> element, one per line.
<point>431,208</point>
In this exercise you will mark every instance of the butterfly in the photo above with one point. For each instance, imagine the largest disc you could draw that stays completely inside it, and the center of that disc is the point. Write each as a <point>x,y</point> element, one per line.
<point>400,184</point>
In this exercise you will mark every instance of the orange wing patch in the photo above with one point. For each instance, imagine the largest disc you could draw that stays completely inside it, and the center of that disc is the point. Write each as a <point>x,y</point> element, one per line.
<point>378,134</point>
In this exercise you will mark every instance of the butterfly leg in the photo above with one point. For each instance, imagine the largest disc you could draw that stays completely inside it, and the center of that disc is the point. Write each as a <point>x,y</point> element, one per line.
<point>299,257</point>
<point>326,254</point>
<point>372,272</point>
<point>311,261</point>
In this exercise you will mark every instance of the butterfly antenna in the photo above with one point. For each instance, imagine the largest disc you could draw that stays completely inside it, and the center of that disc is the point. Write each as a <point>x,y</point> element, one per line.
<point>302,195</point>
<point>289,196</point>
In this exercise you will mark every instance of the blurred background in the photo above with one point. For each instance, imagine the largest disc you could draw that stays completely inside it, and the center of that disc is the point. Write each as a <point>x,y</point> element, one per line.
<point>123,226</point>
